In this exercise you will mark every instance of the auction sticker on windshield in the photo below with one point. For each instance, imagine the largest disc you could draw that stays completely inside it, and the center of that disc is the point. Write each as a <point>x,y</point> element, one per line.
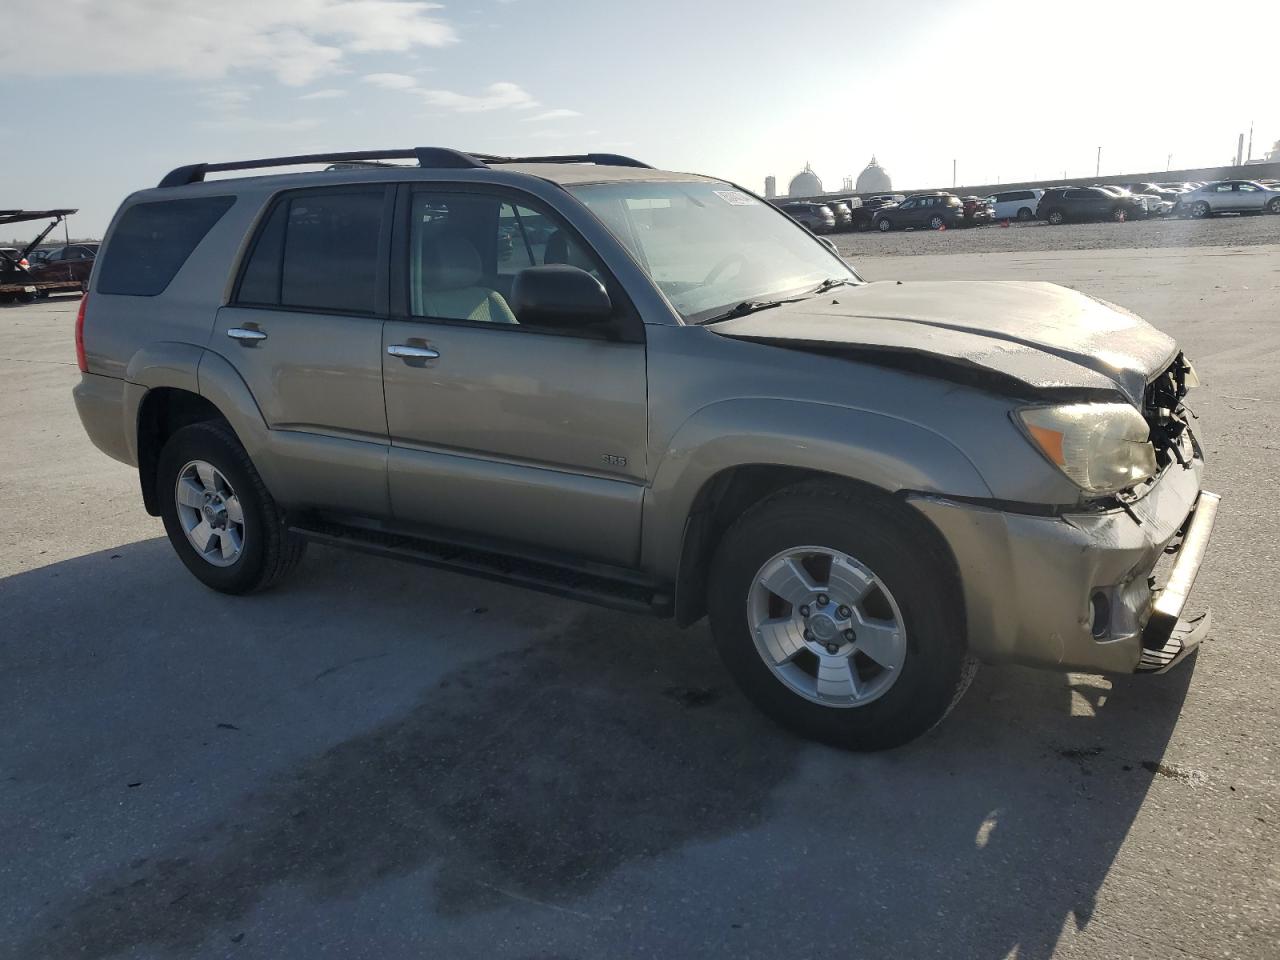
<point>736,197</point>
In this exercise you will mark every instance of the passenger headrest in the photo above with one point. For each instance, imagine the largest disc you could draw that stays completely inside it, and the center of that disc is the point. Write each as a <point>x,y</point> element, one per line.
<point>449,263</point>
<point>561,250</point>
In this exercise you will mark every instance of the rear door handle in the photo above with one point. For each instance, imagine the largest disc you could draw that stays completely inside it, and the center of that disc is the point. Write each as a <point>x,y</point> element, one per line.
<point>407,351</point>
<point>246,334</point>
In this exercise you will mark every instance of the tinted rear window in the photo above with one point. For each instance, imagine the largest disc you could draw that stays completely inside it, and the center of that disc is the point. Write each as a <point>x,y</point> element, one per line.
<point>317,251</point>
<point>153,240</point>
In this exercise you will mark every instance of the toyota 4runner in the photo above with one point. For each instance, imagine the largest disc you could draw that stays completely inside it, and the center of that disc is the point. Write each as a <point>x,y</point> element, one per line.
<point>656,391</point>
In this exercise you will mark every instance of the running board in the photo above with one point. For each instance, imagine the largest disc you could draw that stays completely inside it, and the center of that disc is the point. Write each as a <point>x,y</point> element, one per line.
<point>622,592</point>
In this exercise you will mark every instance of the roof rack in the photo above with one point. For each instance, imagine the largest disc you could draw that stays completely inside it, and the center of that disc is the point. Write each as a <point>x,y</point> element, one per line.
<point>427,157</point>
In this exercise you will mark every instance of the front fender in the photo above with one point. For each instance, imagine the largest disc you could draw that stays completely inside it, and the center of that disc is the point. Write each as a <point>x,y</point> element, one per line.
<point>874,448</point>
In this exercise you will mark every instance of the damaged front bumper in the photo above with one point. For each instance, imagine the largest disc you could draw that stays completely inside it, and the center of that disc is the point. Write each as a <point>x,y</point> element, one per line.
<point>1077,591</point>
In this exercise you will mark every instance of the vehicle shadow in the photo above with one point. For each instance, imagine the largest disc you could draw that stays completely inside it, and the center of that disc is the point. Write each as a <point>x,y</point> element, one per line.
<point>584,746</point>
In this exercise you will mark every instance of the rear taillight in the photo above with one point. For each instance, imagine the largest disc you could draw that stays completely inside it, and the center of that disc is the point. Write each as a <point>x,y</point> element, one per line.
<point>80,357</point>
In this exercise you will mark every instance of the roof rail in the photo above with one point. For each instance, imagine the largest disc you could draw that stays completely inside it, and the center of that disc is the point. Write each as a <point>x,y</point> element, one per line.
<point>603,159</point>
<point>426,157</point>
<point>437,157</point>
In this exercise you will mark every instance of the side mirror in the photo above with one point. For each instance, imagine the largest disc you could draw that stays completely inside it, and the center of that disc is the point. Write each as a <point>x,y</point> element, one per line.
<point>559,296</point>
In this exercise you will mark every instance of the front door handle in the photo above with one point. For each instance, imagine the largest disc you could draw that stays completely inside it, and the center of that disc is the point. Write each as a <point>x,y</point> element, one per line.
<point>407,351</point>
<point>246,334</point>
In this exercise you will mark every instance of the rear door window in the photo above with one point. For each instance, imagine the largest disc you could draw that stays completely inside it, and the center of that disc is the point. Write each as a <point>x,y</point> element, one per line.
<point>317,251</point>
<point>153,240</point>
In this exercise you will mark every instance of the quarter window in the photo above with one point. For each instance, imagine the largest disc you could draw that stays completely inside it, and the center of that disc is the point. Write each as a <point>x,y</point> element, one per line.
<point>153,240</point>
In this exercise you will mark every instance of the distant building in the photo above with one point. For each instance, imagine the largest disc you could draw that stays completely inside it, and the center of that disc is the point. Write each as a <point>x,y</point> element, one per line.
<point>770,187</point>
<point>805,184</point>
<point>874,179</point>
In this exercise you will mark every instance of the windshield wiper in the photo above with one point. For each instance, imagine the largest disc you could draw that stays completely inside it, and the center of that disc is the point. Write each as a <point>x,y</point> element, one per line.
<point>742,309</point>
<point>830,282</point>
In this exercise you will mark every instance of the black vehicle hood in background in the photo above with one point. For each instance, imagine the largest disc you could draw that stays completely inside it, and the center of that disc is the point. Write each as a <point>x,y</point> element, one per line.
<point>1026,338</point>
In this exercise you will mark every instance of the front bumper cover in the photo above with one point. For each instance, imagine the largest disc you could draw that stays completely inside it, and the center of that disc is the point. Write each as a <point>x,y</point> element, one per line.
<point>1033,584</point>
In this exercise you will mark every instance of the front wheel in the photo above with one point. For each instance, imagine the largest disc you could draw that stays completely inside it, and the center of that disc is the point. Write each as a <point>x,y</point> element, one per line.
<point>1119,215</point>
<point>1200,210</point>
<point>1024,214</point>
<point>884,225</point>
<point>1274,205</point>
<point>220,518</point>
<point>839,617</point>
<point>937,222</point>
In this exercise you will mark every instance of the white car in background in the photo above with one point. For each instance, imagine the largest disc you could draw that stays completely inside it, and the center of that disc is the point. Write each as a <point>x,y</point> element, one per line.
<point>1015,204</point>
<point>1229,196</point>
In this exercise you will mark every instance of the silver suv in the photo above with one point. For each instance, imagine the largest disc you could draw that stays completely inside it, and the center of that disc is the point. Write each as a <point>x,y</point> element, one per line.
<point>655,391</point>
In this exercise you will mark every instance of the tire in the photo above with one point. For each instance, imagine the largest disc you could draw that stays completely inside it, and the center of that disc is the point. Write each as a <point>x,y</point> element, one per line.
<point>937,222</point>
<point>1200,210</point>
<point>267,550</point>
<point>1274,205</point>
<point>1025,214</point>
<point>884,224</point>
<point>1057,217</point>
<point>1119,215</point>
<point>916,589</point>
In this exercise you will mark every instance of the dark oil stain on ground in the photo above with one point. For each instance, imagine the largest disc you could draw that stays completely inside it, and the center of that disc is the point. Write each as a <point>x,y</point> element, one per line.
<point>537,772</point>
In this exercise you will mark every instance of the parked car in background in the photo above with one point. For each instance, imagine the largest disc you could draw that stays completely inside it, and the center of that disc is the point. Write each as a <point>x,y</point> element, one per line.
<point>1081,204</point>
<point>932,210</point>
<point>864,213</point>
<point>11,259</point>
<point>844,213</point>
<point>817,217</point>
<point>1229,196</point>
<point>1015,204</point>
<point>73,262</point>
<point>977,211</point>
<point>1148,206</point>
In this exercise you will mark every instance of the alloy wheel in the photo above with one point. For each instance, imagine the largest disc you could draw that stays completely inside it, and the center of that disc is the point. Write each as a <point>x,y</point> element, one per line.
<point>210,513</point>
<point>826,626</point>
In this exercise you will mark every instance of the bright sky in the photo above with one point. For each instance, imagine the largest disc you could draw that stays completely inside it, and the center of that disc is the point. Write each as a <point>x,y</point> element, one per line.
<point>101,97</point>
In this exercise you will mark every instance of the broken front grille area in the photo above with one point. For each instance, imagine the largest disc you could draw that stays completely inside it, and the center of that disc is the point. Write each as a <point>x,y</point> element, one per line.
<point>1166,413</point>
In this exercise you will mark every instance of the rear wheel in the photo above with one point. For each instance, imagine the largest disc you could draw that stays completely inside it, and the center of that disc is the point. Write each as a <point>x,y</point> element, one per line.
<point>221,521</point>
<point>1200,210</point>
<point>1025,214</point>
<point>1057,217</point>
<point>884,225</point>
<point>840,617</point>
<point>1119,215</point>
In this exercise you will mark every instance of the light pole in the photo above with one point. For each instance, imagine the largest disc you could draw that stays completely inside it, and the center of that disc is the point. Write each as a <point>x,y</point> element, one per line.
<point>1097,171</point>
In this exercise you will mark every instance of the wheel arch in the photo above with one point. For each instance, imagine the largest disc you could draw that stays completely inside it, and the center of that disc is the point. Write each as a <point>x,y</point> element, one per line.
<point>732,454</point>
<point>162,412</point>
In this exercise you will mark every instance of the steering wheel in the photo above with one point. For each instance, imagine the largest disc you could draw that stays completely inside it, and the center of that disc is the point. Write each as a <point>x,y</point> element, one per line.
<point>714,273</point>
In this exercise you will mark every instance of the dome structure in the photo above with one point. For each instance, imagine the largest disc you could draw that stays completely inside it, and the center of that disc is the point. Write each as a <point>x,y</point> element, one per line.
<point>805,184</point>
<point>874,179</point>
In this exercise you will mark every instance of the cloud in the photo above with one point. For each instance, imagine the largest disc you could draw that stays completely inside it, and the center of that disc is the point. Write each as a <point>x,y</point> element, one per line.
<point>391,81</point>
<point>253,124</point>
<point>553,115</point>
<point>496,96</point>
<point>329,94</point>
<point>227,99</point>
<point>296,41</point>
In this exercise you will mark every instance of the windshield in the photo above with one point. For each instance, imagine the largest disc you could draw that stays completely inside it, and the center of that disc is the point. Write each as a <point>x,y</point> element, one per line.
<point>709,247</point>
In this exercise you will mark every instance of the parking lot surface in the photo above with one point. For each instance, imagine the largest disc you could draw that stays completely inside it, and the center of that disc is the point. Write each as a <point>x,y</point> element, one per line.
<point>377,760</point>
<point>1164,232</point>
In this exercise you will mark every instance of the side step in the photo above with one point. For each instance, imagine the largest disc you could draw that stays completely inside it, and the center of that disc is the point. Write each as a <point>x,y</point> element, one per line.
<point>596,583</point>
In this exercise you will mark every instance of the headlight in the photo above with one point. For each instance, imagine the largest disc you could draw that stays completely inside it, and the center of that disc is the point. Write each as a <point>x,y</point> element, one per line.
<point>1102,447</point>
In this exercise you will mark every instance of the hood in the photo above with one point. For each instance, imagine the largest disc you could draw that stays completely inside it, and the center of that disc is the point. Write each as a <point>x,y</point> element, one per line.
<point>1033,340</point>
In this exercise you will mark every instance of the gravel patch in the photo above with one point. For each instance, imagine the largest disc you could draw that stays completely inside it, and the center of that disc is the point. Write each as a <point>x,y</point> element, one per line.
<point>1222,231</point>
